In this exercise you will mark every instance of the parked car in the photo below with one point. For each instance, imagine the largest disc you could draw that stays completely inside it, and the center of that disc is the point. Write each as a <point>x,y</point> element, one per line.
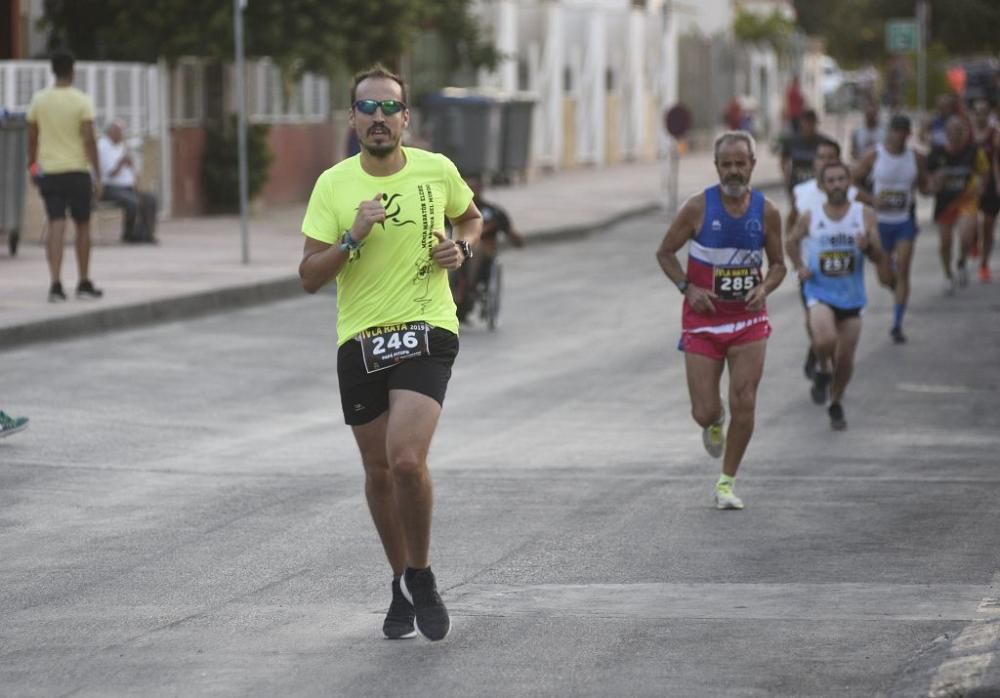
<point>982,80</point>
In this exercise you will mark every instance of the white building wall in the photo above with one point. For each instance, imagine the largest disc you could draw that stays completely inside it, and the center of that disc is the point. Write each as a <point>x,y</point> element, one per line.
<point>594,66</point>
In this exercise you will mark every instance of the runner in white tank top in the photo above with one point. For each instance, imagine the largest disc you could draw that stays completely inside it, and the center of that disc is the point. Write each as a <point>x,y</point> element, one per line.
<point>897,170</point>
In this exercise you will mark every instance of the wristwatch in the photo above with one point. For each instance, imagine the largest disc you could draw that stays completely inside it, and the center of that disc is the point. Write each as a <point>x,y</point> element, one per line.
<point>682,285</point>
<point>347,243</point>
<point>465,247</point>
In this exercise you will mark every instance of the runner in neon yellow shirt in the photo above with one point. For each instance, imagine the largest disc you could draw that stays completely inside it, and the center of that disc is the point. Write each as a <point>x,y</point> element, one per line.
<point>375,224</point>
<point>392,277</point>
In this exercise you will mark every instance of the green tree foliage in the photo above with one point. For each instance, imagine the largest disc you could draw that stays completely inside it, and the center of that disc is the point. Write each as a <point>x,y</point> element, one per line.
<point>855,29</point>
<point>300,35</point>
<point>773,29</point>
<point>220,172</point>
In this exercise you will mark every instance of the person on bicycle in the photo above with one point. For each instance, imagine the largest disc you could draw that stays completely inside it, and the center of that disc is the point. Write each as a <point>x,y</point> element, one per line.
<point>476,271</point>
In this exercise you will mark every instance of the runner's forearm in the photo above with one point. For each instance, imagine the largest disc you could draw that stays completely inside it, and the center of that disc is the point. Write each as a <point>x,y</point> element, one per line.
<point>468,230</point>
<point>317,269</point>
<point>775,275</point>
<point>671,266</point>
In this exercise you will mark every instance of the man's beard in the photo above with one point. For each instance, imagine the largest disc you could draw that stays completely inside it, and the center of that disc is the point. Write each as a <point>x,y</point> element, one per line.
<point>382,150</point>
<point>734,188</point>
<point>836,197</point>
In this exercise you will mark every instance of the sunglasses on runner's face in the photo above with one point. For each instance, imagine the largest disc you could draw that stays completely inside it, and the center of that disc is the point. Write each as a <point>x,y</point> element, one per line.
<point>389,106</point>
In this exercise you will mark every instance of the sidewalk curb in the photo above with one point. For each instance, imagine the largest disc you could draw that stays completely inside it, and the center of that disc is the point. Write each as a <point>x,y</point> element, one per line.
<point>150,312</point>
<point>242,296</point>
<point>581,230</point>
<point>964,664</point>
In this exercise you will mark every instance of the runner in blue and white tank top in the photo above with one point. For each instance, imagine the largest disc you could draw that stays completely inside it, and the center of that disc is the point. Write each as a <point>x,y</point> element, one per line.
<point>729,229</point>
<point>836,237</point>
<point>836,263</point>
<point>805,196</point>
<point>897,171</point>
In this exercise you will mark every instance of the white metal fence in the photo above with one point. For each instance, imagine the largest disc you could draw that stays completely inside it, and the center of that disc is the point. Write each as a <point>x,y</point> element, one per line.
<point>126,91</point>
<point>307,100</point>
<point>131,92</point>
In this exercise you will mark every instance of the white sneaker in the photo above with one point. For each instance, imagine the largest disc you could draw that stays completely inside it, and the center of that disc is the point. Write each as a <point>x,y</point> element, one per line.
<point>714,436</point>
<point>949,286</point>
<point>726,499</point>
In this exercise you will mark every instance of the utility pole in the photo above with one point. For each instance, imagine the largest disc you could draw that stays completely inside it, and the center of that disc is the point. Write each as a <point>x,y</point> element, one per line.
<point>922,32</point>
<point>241,135</point>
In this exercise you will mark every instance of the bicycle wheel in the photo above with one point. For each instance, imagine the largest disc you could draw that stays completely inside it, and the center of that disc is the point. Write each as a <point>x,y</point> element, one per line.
<point>493,289</point>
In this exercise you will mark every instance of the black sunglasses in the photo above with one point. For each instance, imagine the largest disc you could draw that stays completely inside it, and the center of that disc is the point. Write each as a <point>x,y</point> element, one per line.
<point>389,106</point>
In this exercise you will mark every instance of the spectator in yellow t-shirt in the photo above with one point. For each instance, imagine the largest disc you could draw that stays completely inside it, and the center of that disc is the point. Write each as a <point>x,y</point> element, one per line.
<point>62,154</point>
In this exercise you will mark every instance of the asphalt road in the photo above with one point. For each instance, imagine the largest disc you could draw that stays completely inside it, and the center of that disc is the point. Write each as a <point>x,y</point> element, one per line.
<point>185,514</point>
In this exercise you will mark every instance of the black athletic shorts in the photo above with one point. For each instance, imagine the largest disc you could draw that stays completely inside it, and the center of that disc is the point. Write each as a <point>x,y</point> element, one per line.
<point>364,396</point>
<point>990,204</point>
<point>843,313</point>
<point>72,190</point>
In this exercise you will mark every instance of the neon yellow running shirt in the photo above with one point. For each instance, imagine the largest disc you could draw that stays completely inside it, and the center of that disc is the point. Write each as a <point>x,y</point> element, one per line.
<point>392,278</point>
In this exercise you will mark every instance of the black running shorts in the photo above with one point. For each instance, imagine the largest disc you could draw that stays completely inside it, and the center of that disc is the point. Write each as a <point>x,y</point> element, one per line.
<point>364,396</point>
<point>72,190</point>
<point>843,313</point>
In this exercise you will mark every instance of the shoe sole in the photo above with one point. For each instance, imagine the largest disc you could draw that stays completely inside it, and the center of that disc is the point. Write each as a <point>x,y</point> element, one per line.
<point>416,623</point>
<point>13,430</point>
<point>710,449</point>
<point>728,507</point>
<point>408,636</point>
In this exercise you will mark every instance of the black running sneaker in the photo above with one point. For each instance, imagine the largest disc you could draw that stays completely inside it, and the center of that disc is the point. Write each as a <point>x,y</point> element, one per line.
<point>56,293</point>
<point>85,289</point>
<point>420,588</point>
<point>810,366</point>
<point>398,623</point>
<point>821,382</point>
<point>897,335</point>
<point>837,421</point>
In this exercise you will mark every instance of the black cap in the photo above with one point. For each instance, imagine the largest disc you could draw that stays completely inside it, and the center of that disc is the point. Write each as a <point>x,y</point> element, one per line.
<point>899,123</point>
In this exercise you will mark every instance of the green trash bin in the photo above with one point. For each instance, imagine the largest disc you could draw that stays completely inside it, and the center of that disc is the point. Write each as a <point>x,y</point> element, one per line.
<point>465,126</point>
<point>515,134</point>
<point>13,175</point>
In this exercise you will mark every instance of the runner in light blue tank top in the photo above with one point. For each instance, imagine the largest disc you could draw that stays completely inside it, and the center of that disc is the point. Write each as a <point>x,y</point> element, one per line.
<point>828,246</point>
<point>836,262</point>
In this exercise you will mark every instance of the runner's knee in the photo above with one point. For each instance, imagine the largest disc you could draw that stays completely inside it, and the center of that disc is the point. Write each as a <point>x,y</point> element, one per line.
<point>743,401</point>
<point>824,343</point>
<point>407,463</point>
<point>705,415</point>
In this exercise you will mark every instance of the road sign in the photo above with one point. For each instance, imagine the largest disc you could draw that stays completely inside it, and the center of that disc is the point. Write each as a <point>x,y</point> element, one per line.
<point>901,35</point>
<point>677,120</point>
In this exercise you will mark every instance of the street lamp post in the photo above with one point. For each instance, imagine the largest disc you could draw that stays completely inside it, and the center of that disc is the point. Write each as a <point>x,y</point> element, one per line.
<point>241,135</point>
<point>922,55</point>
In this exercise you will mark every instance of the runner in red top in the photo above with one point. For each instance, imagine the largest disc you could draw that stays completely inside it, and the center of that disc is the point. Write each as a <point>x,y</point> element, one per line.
<point>730,228</point>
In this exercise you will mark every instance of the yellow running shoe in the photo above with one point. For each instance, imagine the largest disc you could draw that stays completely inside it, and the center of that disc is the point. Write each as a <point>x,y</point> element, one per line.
<point>724,497</point>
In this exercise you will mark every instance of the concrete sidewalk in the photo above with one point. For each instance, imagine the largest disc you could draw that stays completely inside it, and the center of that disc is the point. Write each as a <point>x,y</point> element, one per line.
<point>197,269</point>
